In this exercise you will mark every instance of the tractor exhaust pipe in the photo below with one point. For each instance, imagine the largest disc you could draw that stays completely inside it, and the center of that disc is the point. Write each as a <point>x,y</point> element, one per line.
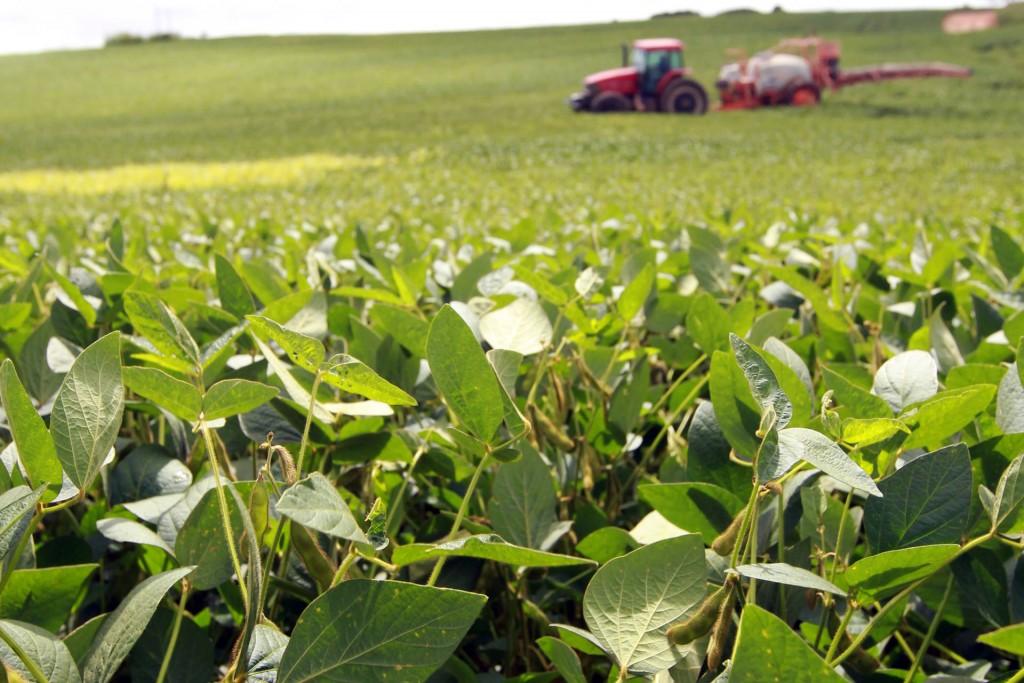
<point>625,54</point>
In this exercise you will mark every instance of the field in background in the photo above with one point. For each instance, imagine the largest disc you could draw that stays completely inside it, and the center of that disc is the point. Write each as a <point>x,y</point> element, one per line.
<point>479,118</point>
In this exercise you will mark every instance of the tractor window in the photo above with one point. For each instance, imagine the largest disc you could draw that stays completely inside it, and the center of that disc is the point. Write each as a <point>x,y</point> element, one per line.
<point>664,60</point>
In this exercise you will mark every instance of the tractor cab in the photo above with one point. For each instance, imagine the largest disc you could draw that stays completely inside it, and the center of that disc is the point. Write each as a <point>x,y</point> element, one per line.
<point>652,59</point>
<point>652,78</point>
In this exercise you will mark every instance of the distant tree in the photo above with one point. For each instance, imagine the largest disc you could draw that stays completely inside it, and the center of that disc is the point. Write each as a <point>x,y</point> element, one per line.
<point>123,38</point>
<point>778,10</point>
<point>678,13</point>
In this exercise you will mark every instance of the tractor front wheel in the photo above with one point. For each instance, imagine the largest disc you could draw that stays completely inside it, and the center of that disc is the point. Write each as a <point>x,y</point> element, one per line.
<point>684,97</point>
<point>610,102</point>
<point>804,96</point>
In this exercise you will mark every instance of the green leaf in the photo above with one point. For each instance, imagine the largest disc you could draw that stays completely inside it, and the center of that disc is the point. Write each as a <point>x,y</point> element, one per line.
<point>75,294</point>
<point>708,324</point>
<point>352,375</point>
<point>564,659</point>
<point>866,432</point>
<point>295,390</point>
<point>123,530</point>
<point>906,378</point>
<point>407,329</point>
<point>87,411</point>
<point>149,470</point>
<point>36,450</point>
<point>522,503</point>
<point>947,413</point>
<point>879,575</point>
<point>737,413</point>
<point>483,547</point>
<point>780,572</point>
<point>45,649</point>
<point>17,507</point>
<point>764,386</point>
<point>463,375</point>
<point>633,297</point>
<point>314,503</point>
<point>814,447</point>
<point>632,600</point>
<point>234,396</point>
<point>151,318</point>
<point>265,650</point>
<point>235,297</point>
<point>304,351</point>
<point>927,502</point>
<point>506,367</point>
<point>179,398</point>
<point>1008,512</point>
<point>44,597</point>
<point>522,326</point>
<point>79,640</point>
<point>191,662</point>
<point>768,650</point>
<point>707,458</point>
<point>124,626</point>
<point>580,639</point>
<point>464,286</point>
<point>815,295</point>
<point>1008,639</point>
<point>544,287</point>
<point>1007,251</point>
<point>411,629</point>
<point>858,402</point>
<point>202,542</point>
<point>697,507</point>
<point>14,316</point>
<point>606,543</point>
<point>1010,402</point>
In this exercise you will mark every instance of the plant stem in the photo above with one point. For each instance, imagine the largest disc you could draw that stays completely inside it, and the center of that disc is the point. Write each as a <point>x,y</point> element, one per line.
<point>896,599</point>
<point>649,451</point>
<point>30,665</point>
<point>343,568</point>
<point>309,421</point>
<point>837,637</point>
<point>175,630</point>
<point>781,552</point>
<point>839,536</point>
<point>950,654</point>
<point>742,535</point>
<point>926,643</point>
<point>225,515</point>
<point>1017,677</point>
<point>463,509</point>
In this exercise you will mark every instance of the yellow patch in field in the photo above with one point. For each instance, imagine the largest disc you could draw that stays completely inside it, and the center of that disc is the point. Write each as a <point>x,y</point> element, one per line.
<point>185,175</point>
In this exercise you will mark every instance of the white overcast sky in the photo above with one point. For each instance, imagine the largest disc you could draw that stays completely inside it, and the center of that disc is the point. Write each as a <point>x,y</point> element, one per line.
<point>34,25</point>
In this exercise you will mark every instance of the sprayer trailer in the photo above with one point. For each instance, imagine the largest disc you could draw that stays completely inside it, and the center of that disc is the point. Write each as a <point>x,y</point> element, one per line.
<point>796,72</point>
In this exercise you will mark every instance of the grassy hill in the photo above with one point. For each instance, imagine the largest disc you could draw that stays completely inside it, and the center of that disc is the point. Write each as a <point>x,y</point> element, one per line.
<point>493,101</point>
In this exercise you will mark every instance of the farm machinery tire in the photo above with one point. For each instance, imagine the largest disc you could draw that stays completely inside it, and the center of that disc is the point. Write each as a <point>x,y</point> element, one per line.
<point>609,102</point>
<point>807,95</point>
<point>684,97</point>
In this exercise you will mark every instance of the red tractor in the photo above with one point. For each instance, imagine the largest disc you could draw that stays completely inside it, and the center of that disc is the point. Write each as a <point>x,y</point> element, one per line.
<point>651,78</point>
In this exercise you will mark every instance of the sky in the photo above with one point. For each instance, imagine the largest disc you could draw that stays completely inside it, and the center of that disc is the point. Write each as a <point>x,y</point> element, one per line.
<point>37,25</point>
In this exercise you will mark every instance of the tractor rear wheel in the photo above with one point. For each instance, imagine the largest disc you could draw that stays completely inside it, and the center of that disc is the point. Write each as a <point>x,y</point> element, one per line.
<point>804,96</point>
<point>610,101</point>
<point>684,97</point>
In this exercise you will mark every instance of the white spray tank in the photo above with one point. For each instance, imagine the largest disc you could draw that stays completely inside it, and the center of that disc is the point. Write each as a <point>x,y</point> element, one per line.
<point>774,72</point>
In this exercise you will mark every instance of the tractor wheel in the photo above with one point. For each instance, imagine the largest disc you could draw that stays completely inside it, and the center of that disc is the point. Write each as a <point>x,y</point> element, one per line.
<point>610,102</point>
<point>803,96</point>
<point>684,97</point>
